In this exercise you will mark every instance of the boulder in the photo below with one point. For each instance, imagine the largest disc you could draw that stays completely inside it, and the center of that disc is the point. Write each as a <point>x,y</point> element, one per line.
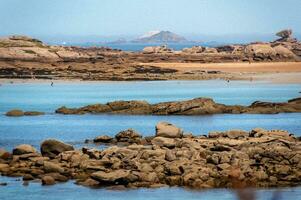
<point>210,50</point>
<point>15,113</point>
<point>165,129</point>
<point>262,51</point>
<point>4,154</point>
<point>284,52</point>
<point>48,180</point>
<point>24,149</point>
<point>236,134</point>
<point>164,142</point>
<point>103,139</point>
<point>117,176</point>
<point>129,135</point>
<point>286,33</point>
<point>52,167</point>
<point>51,148</point>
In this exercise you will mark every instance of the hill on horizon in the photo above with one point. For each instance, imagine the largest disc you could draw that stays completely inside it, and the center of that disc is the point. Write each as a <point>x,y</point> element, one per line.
<point>160,37</point>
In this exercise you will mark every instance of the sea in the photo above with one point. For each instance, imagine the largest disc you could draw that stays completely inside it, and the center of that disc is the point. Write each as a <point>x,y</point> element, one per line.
<point>75,129</point>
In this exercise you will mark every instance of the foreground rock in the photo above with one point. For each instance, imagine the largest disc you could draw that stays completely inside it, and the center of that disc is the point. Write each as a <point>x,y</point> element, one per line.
<point>256,158</point>
<point>198,106</point>
<point>52,148</point>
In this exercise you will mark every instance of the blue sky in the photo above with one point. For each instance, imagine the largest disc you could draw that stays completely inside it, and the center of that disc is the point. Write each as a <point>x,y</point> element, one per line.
<point>134,17</point>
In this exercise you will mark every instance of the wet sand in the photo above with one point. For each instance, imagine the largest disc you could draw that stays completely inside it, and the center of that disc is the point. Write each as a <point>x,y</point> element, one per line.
<point>273,67</point>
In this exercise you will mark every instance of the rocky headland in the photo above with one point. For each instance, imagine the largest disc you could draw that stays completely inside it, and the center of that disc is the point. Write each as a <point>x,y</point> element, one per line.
<point>27,58</point>
<point>198,106</point>
<point>236,158</point>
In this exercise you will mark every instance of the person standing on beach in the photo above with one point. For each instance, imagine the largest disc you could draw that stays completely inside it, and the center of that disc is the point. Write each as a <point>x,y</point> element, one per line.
<point>51,84</point>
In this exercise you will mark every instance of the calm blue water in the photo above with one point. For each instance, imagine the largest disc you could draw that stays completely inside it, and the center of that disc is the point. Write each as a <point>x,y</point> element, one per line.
<point>75,129</point>
<point>43,97</point>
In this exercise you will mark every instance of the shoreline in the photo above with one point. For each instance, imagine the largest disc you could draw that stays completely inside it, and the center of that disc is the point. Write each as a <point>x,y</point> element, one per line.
<point>271,72</point>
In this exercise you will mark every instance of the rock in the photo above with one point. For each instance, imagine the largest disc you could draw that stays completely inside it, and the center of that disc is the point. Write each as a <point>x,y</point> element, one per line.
<point>51,148</point>
<point>48,180</point>
<point>28,177</point>
<point>210,50</point>
<point>3,184</point>
<point>15,113</point>
<point>33,113</point>
<point>164,142</point>
<point>165,129</point>
<point>89,182</point>
<point>284,52</point>
<point>129,135</point>
<point>4,154</point>
<point>24,149</point>
<point>103,139</point>
<point>192,50</point>
<point>260,51</point>
<point>52,167</point>
<point>116,177</point>
<point>287,33</point>
<point>236,134</point>
<point>157,49</point>
<point>4,167</point>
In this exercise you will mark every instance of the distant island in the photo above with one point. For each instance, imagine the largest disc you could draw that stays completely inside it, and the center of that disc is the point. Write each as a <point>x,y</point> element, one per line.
<point>160,37</point>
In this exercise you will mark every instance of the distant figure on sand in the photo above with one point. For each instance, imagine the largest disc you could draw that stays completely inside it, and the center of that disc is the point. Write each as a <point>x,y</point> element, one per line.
<point>51,84</point>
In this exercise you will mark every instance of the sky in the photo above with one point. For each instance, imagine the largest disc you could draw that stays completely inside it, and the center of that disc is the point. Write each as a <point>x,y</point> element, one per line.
<point>135,17</point>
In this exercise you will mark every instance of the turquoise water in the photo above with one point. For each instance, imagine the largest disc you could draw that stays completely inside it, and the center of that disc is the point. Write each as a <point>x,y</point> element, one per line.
<point>43,97</point>
<point>76,128</point>
<point>68,191</point>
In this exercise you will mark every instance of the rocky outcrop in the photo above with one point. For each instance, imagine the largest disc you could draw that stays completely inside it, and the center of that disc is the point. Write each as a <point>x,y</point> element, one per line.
<point>256,158</point>
<point>27,58</point>
<point>198,106</point>
<point>20,113</point>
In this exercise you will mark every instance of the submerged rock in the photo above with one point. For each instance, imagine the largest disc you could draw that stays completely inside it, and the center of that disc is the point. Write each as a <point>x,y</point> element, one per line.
<point>15,113</point>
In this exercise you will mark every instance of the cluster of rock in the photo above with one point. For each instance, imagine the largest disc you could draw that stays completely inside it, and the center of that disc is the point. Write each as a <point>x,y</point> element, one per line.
<point>20,113</point>
<point>198,106</point>
<point>236,158</point>
<point>157,49</point>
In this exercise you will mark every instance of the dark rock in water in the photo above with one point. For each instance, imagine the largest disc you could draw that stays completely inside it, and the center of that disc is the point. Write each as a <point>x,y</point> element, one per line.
<point>48,180</point>
<point>3,184</point>
<point>118,176</point>
<point>23,149</point>
<point>33,113</point>
<point>197,106</point>
<point>130,136</point>
<point>103,139</point>
<point>19,113</point>
<point>51,148</point>
<point>15,113</point>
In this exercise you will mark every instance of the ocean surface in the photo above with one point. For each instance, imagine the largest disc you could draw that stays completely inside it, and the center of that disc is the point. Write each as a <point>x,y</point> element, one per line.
<point>76,128</point>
